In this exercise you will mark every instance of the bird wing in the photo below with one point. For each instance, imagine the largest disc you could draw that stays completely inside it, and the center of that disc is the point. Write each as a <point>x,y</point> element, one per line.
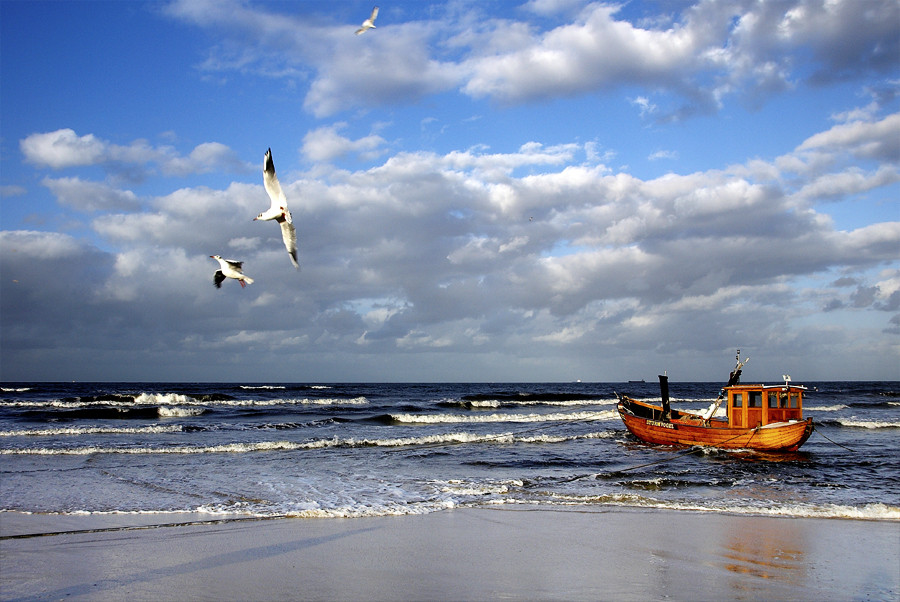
<point>235,265</point>
<point>289,235</point>
<point>373,15</point>
<point>218,277</point>
<point>271,182</point>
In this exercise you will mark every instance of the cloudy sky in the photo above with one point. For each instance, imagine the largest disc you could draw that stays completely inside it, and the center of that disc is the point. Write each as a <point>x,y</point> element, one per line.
<point>538,190</point>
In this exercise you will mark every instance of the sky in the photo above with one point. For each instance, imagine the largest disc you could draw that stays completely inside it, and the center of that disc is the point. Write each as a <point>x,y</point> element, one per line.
<point>508,191</point>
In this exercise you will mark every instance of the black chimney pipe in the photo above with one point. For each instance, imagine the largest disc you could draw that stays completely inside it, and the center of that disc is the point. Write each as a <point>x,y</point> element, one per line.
<point>664,393</point>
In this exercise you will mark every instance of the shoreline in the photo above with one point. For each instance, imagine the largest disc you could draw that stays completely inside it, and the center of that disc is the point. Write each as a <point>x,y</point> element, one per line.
<point>522,552</point>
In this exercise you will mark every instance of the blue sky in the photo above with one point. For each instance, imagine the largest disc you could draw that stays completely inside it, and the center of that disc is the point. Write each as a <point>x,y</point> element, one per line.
<point>483,191</point>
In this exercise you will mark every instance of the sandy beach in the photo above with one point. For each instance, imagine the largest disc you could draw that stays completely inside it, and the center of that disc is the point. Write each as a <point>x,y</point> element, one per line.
<point>521,553</point>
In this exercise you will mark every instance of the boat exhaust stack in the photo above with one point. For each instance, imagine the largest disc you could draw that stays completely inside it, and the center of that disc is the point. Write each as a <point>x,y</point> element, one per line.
<point>664,394</point>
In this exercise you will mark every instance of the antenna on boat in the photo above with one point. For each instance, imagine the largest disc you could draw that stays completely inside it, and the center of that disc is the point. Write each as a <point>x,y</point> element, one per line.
<point>787,379</point>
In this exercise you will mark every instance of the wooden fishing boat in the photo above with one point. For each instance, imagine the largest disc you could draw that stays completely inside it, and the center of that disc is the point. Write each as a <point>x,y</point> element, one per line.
<point>759,417</point>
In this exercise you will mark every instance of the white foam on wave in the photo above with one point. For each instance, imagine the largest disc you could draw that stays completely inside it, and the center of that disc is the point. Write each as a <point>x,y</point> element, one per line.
<point>364,510</point>
<point>176,399</point>
<point>224,448</point>
<point>355,401</point>
<point>15,390</point>
<point>91,430</point>
<point>468,418</point>
<point>264,403</point>
<point>163,399</point>
<point>126,401</point>
<point>868,424</point>
<point>56,403</point>
<point>496,403</point>
<point>460,487</point>
<point>268,446</point>
<point>833,408</point>
<point>487,403</point>
<point>261,387</point>
<point>871,511</point>
<point>178,412</point>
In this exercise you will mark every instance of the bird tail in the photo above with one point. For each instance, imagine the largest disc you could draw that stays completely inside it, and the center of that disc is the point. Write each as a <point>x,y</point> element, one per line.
<point>248,280</point>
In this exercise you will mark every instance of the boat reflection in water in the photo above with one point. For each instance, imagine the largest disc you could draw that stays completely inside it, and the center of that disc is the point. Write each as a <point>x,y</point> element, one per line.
<point>772,550</point>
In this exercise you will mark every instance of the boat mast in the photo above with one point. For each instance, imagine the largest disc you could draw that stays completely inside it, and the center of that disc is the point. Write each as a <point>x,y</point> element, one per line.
<point>733,379</point>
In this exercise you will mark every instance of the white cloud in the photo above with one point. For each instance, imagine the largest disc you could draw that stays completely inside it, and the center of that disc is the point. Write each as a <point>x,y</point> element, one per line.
<point>868,139</point>
<point>206,157</point>
<point>352,77</point>
<point>65,149</point>
<point>840,186</point>
<point>91,196</point>
<point>12,190</point>
<point>62,148</point>
<point>325,144</point>
<point>26,244</point>
<point>662,154</point>
<point>436,253</point>
<point>692,60</point>
<point>595,52</point>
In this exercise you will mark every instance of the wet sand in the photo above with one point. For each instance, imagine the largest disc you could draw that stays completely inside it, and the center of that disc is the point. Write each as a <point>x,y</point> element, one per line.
<point>519,553</point>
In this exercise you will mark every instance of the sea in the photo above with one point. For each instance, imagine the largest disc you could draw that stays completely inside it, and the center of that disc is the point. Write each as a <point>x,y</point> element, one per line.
<point>333,450</point>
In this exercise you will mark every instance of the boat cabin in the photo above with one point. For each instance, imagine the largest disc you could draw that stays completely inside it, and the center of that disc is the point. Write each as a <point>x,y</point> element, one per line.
<point>750,406</point>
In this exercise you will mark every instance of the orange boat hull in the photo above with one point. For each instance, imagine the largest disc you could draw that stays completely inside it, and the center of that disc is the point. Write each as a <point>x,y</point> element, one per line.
<point>689,429</point>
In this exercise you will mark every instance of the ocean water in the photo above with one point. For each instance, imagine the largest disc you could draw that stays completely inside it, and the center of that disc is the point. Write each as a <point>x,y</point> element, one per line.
<point>344,450</point>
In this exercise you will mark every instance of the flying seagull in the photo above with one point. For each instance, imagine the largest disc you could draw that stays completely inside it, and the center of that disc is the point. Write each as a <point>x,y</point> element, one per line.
<point>368,23</point>
<point>229,268</point>
<point>279,209</point>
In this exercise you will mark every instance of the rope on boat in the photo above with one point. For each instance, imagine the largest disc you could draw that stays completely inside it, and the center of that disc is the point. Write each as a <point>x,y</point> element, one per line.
<point>830,441</point>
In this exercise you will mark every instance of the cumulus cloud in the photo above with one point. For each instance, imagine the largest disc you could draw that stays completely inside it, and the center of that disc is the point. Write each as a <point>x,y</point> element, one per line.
<point>471,249</point>
<point>26,244</point>
<point>64,148</point>
<point>325,144</point>
<point>12,190</point>
<point>595,52</point>
<point>353,77</point>
<point>692,61</point>
<point>865,139</point>
<point>91,196</point>
<point>206,157</point>
<point>482,252</point>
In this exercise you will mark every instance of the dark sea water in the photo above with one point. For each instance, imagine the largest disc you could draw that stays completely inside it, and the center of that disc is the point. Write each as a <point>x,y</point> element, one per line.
<point>340,450</point>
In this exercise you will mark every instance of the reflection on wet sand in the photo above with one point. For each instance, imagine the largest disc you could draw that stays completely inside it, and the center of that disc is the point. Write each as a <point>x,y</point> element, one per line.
<point>770,550</point>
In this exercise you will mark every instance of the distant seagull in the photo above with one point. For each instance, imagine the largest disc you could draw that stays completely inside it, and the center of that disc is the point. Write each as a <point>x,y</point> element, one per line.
<point>229,268</point>
<point>368,23</point>
<point>279,209</point>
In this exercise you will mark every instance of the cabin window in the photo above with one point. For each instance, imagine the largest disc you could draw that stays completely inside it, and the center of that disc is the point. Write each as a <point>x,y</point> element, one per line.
<point>738,399</point>
<point>754,399</point>
<point>783,399</point>
<point>793,401</point>
<point>773,399</point>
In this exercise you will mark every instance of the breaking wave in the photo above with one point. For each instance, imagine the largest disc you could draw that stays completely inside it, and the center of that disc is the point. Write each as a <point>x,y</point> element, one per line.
<point>335,442</point>
<point>91,430</point>
<point>867,424</point>
<point>464,418</point>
